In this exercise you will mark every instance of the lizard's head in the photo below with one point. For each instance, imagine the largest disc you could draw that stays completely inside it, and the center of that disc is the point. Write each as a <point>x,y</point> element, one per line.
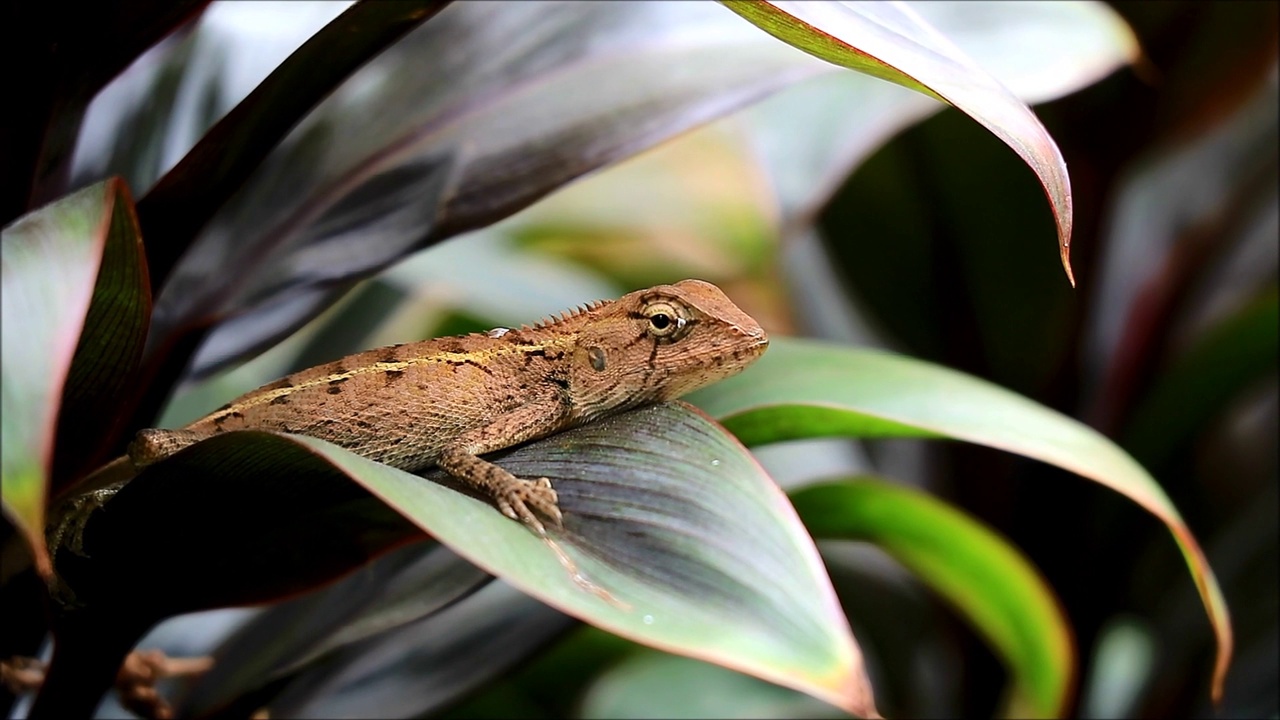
<point>663,342</point>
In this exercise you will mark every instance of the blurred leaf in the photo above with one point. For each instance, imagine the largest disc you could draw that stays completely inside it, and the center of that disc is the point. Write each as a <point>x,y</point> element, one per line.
<point>1192,235</point>
<point>427,155</point>
<point>67,57</point>
<point>386,595</point>
<point>426,665</point>
<point>986,578</point>
<point>174,210</point>
<point>1200,382</point>
<point>651,684</point>
<point>805,389</point>
<point>698,206</point>
<point>940,262</point>
<point>891,42</point>
<point>51,259</point>
<point>1121,668</point>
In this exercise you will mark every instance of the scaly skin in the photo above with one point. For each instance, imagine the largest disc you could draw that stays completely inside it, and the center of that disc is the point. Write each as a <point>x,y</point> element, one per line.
<point>444,402</point>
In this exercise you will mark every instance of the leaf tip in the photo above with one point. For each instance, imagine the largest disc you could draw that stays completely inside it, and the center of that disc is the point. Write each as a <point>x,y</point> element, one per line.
<point>1066,262</point>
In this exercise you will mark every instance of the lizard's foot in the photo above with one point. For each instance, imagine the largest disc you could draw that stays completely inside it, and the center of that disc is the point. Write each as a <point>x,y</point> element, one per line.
<point>524,500</point>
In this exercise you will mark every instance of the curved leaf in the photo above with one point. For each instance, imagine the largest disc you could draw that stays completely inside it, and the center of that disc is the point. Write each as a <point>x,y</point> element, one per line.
<point>1040,51</point>
<point>651,684</point>
<point>988,580</point>
<point>189,194</point>
<point>283,641</point>
<point>679,541</point>
<point>428,664</point>
<point>809,389</point>
<point>891,42</point>
<point>469,118</point>
<point>108,352</point>
<point>50,260</point>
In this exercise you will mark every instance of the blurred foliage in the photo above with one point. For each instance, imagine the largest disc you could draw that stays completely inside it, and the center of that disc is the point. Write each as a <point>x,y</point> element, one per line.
<point>919,234</point>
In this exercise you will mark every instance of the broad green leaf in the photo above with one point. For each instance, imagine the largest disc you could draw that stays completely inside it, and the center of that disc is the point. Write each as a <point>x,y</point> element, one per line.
<point>988,580</point>
<point>689,546</point>
<point>650,684</point>
<point>1199,383</point>
<point>678,539</point>
<point>892,42</point>
<point>50,260</point>
<point>810,389</point>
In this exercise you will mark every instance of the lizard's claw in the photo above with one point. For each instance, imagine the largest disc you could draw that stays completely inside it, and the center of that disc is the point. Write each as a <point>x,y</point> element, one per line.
<point>524,500</point>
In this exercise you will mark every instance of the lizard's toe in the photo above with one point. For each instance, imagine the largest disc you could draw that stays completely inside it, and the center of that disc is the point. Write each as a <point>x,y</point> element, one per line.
<point>528,499</point>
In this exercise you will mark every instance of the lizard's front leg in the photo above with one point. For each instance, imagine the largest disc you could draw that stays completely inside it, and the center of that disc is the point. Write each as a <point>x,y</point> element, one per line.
<point>517,498</point>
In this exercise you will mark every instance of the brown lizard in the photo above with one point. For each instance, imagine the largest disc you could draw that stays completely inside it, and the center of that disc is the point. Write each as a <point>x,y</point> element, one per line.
<point>445,402</point>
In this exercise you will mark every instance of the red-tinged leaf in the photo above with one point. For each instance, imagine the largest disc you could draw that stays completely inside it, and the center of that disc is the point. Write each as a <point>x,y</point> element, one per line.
<point>805,389</point>
<point>892,42</point>
<point>400,157</point>
<point>51,259</point>
<point>673,537</point>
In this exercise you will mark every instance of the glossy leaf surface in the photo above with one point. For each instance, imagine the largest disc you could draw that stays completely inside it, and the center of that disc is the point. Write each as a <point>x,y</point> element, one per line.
<point>676,539</point>
<point>892,42</point>
<point>472,116</point>
<point>805,389</point>
<point>679,540</point>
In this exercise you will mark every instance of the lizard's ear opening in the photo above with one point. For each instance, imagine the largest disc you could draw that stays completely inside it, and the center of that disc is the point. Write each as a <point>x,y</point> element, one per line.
<point>596,355</point>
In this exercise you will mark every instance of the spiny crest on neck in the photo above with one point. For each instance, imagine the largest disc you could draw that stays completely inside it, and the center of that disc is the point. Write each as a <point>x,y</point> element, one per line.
<point>553,321</point>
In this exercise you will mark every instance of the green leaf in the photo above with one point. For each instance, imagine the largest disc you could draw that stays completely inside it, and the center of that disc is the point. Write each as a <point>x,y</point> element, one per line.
<point>805,389</point>
<point>698,551</point>
<point>50,260</point>
<point>988,580</point>
<point>650,684</point>
<point>891,42</point>
<point>679,539</point>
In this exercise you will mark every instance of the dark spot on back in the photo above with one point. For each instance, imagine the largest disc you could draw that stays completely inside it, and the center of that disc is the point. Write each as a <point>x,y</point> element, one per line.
<point>334,389</point>
<point>281,400</point>
<point>393,375</point>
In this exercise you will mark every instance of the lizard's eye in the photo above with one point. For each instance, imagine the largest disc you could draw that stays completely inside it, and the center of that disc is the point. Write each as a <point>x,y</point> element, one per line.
<point>665,320</point>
